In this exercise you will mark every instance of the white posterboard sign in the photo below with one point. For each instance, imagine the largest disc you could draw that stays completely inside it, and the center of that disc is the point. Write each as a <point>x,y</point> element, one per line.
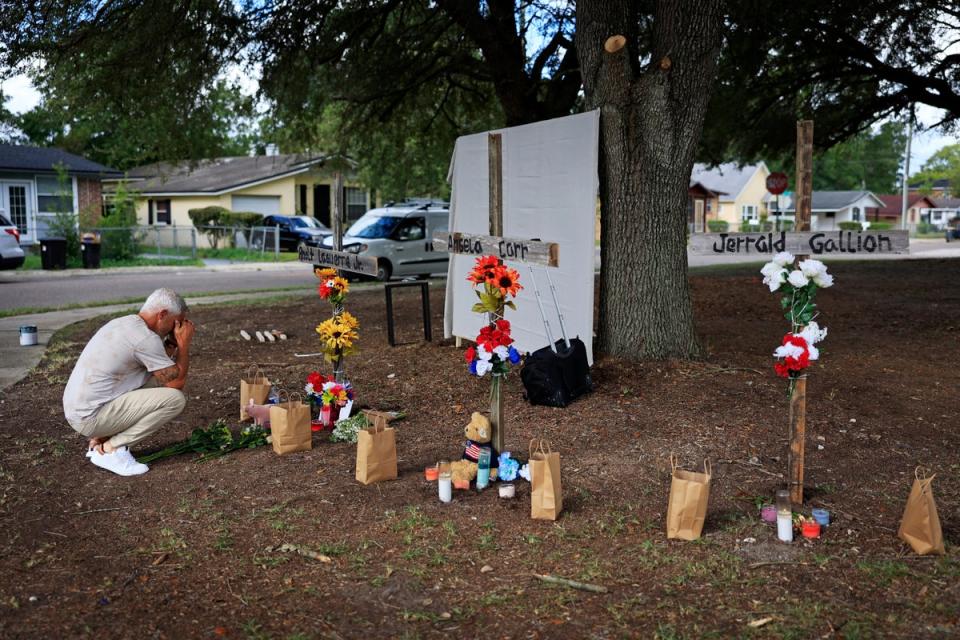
<point>550,187</point>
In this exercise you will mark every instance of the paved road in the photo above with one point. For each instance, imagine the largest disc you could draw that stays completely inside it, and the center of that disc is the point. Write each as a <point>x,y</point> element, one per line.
<point>20,290</point>
<point>53,289</point>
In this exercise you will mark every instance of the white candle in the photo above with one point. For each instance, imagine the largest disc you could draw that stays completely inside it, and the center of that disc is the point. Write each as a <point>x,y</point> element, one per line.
<point>446,488</point>
<point>507,491</point>
<point>785,527</point>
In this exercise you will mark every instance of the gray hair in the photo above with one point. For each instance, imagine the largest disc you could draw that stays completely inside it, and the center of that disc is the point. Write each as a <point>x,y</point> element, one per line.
<point>164,299</point>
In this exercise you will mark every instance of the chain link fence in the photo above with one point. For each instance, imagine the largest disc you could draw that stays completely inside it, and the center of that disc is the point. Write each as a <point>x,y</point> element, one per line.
<point>172,241</point>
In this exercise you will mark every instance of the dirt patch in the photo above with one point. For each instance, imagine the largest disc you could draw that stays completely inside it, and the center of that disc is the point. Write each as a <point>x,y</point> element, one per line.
<point>188,550</point>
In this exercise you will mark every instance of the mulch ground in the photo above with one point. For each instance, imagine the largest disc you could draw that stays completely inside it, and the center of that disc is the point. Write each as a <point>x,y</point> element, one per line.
<point>189,549</point>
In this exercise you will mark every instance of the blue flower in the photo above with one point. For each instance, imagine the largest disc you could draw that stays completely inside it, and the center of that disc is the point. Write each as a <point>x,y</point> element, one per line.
<point>473,367</point>
<point>514,356</point>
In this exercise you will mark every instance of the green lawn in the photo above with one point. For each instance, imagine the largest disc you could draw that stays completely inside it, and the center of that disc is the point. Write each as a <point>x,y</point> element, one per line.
<point>32,262</point>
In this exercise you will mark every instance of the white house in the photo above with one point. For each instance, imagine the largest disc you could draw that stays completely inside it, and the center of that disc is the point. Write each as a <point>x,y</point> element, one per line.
<point>830,208</point>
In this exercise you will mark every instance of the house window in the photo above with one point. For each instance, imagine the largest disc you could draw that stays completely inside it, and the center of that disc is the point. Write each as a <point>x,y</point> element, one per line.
<point>159,212</point>
<point>52,197</point>
<point>748,211</point>
<point>356,202</point>
<point>856,214</point>
<point>938,216</point>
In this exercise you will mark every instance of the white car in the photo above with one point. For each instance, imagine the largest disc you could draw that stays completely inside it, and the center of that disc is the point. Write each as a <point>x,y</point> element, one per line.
<point>399,237</point>
<point>11,255</point>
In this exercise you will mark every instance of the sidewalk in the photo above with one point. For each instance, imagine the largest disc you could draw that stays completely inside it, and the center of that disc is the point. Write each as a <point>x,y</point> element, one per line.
<point>17,361</point>
<point>20,275</point>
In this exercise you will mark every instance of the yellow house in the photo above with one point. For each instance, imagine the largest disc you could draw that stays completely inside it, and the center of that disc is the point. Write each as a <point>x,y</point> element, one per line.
<point>740,190</point>
<point>285,184</point>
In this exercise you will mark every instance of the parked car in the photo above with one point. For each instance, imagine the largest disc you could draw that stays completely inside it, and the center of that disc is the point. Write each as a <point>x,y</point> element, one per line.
<point>952,230</point>
<point>11,255</point>
<point>399,237</point>
<point>296,230</point>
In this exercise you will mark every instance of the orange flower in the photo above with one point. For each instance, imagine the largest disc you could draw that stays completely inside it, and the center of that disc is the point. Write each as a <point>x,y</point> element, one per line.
<point>484,270</point>
<point>507,280</point>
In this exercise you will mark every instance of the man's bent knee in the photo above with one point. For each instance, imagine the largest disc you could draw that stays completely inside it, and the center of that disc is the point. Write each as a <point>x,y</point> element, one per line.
<point>174,400</point>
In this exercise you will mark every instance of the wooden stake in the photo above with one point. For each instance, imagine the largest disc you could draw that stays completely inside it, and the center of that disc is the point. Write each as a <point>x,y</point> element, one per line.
<point>803,193</point>
<point>495,167</point>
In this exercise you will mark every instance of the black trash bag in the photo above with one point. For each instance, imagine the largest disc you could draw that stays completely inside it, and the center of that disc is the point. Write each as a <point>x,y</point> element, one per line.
<point>557,379</point>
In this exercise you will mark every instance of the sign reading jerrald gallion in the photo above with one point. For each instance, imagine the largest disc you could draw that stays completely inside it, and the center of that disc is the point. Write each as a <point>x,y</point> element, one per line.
<point>803,243</point>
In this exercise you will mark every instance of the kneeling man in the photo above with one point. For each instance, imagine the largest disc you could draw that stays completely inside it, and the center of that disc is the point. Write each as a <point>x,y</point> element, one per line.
<point>125,385</point>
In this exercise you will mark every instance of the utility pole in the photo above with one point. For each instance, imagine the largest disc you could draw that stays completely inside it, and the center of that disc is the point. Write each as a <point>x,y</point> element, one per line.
<point>906,172</point>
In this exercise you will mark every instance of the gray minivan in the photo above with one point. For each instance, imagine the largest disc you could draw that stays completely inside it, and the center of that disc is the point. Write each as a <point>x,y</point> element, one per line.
<point>399,236</point>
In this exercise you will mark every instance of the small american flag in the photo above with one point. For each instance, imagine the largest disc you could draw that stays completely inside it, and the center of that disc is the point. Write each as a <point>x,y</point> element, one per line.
<point>472,451</point>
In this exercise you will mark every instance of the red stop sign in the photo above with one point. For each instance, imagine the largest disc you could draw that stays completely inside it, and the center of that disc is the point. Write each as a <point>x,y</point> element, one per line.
<point>777,183</point>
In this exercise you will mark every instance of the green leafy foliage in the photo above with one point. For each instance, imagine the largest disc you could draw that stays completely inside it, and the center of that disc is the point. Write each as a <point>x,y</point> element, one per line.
<point>849,226</point>
<point>118,241</point>
<point>65,223</point>
<point>214,441</point>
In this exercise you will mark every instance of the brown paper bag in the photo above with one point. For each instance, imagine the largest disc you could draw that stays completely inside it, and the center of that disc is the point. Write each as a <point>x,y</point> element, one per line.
<point>254,387</point>
<point>377,453</point>
<point>687,507</point>
<point>290,426</point>
<point>546,494</point>
<point>920,526</point>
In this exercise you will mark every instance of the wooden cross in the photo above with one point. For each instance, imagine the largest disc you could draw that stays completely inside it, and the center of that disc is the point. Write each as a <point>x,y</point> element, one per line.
<point>803,196</point>
<point>495,170</point>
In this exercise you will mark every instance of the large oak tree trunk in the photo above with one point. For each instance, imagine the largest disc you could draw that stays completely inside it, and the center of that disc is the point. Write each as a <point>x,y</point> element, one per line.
<point>651,119</point>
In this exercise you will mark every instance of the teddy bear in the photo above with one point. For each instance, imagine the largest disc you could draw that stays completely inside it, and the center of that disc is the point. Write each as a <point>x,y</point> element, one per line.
<point>478,432</point>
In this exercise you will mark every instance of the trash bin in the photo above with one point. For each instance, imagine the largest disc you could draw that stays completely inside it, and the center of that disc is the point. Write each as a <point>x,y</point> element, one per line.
<point>90,250</point>
<point>53,253</point>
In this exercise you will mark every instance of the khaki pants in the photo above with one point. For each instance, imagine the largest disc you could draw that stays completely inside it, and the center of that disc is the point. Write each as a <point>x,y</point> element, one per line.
<point>134,416</point>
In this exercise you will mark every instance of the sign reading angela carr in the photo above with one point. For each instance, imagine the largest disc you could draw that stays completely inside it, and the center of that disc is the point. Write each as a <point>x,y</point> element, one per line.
<point>807,242</point>
<point>528,251</point>
<point>343,260</point>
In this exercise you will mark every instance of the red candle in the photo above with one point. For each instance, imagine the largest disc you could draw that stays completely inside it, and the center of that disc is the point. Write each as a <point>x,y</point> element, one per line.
<point>431,473</point>
<point>811,529</point>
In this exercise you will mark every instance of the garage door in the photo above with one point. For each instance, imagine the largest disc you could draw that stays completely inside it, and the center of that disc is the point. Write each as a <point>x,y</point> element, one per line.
<point>267,205</point>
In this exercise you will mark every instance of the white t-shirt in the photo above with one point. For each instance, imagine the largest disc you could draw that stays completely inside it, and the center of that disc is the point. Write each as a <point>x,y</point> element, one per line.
<point>118,359</point>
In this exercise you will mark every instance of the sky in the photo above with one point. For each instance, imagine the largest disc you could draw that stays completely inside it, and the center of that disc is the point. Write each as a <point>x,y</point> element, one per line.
<point>21,96</point>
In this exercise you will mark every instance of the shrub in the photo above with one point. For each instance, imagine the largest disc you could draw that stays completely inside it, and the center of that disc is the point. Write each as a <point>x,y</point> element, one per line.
<point>119,242</point>
<point>881,226</point>
<point>65,223</point>
<point>925,227</point>
<point>849,226</point>
<point>718,226</point>
<point>243,219</point>
<point>209,221</point>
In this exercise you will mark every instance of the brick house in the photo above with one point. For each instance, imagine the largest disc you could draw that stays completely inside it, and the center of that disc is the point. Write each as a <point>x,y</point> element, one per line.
<point>31,192</point>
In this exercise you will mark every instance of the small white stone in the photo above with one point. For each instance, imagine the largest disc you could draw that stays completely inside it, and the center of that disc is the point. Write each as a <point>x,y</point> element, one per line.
<point>32,598</point>
<point>853,419</point>
<point>486,569</point>
<point>749,540</point>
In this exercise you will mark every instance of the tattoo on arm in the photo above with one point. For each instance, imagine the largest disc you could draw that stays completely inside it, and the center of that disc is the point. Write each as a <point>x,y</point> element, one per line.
<point>169,374</point>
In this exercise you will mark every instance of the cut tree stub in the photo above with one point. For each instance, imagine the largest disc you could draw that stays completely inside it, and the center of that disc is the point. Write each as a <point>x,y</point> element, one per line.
<point>614,44</point>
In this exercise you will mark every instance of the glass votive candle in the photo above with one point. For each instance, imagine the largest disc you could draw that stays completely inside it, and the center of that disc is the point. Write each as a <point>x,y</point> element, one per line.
<point>432,473</point>
<point>507,490</point>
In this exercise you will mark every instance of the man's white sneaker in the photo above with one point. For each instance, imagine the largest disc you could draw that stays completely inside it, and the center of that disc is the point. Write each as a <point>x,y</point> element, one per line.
<point>120,462</point>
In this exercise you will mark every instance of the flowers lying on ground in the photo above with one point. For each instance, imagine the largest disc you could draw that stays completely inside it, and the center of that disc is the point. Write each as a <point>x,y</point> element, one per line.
<point>332,287</point>
<point>212,442</point>
<point>799,285</point>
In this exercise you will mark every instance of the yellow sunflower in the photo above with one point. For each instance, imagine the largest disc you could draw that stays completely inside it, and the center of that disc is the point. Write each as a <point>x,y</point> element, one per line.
<point>347,319</point>
<point>325,274</point>
<point>336,335</point>
<point>340,284</point>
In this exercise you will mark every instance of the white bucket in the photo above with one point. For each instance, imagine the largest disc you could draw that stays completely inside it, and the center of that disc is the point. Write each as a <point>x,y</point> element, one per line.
<point>28,335</point>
